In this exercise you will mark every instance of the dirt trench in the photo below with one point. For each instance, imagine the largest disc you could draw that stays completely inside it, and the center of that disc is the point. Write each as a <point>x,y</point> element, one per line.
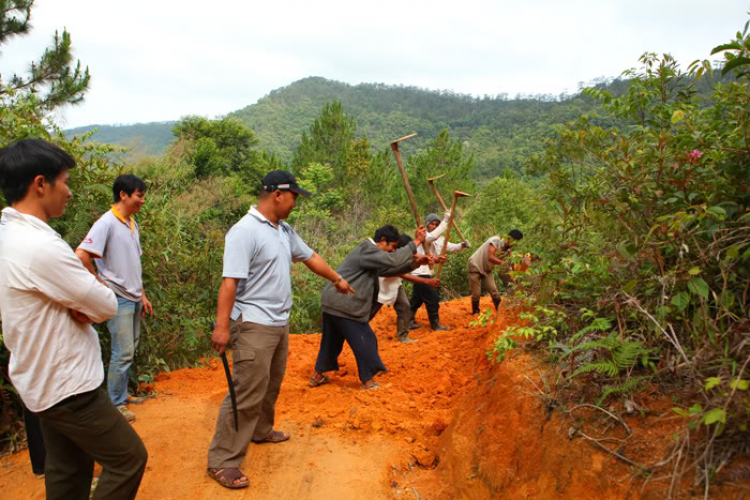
<point>445,423</point>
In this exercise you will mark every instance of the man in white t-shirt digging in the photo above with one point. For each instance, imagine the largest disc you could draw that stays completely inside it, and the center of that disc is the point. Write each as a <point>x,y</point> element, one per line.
<point>48,301</point>
<point>392,293</point>
<point>427,290</point>
<point>114,243</point>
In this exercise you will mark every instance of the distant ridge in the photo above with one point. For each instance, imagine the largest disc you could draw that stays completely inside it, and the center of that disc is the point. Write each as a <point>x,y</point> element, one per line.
<point>141,138</point>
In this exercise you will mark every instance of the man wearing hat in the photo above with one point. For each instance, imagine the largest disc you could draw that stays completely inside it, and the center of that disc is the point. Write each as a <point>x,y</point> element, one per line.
<point>252,313</point>
<point>427,292</point>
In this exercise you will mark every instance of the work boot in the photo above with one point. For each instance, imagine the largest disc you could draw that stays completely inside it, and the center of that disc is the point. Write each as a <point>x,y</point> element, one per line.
<point>407,340</point>
<point>474,307</point>
<point>414,325</point>
<point>402,330</point>
<point>497,304</point>
<point>436,326</point>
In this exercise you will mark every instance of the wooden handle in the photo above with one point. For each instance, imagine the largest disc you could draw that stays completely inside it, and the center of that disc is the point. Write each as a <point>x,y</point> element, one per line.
<point>445,207</point>
<point>447,235</point>
<point>407,186</point>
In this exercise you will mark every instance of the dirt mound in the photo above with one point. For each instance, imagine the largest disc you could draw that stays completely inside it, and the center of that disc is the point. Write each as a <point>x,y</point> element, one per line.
<point>445,423</point>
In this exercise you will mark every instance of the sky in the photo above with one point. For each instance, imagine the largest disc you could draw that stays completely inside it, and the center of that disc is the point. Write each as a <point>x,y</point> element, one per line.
<point>163,59</point>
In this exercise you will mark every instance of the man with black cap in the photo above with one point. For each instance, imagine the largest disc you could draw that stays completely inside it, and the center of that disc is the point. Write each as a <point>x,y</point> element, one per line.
<point>480,265</point>
<point>252,313</point>
<point>427,292</point>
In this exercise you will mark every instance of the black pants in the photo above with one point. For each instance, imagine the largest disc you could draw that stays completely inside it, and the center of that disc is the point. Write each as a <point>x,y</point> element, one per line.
<point>87,428</point>
<point>427,295</point>
<point>35,439</point>
<point>360,338</point>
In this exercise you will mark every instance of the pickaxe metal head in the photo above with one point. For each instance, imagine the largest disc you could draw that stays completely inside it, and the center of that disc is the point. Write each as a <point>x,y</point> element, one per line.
<point>459,194</point>
<point>432,179</point>
<point>394,143</point>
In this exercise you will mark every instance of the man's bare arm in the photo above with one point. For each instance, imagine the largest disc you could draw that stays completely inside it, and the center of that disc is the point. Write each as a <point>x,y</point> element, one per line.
<point>224,304</point>
<point>492,258</point>
<point>433,282</point>
<point>86,259</point>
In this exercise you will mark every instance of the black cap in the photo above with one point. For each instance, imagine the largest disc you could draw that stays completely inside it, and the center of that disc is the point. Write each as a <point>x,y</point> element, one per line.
<point>284,181</point>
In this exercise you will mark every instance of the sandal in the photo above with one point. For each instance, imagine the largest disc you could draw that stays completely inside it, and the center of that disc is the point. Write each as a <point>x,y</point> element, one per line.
<point>374,385</point>
<point>227,477</point>
<point>134,400</point>
<point>274,437</point>
<point>316,383</point>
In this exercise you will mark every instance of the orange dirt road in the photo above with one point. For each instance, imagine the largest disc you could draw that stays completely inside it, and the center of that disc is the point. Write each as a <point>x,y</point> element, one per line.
<point>346,443</point>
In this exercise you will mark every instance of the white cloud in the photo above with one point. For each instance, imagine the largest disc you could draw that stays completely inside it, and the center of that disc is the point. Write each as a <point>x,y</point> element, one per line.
<point>164,59</point>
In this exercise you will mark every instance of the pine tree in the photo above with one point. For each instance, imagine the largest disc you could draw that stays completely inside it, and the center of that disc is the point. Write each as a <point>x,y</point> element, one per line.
<point>53,80</point>
<point>329,141</point>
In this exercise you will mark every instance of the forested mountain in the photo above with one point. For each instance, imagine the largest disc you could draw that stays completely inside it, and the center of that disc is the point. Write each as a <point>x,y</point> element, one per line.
<point>499,131</point>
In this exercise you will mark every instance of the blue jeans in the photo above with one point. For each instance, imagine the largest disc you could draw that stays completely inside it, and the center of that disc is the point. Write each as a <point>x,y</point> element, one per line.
<point>124,329</point>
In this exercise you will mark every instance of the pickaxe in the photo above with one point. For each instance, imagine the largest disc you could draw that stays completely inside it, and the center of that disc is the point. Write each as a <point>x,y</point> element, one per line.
<point>456,196</point>
<point>407,186</point>
<point>431,181</point>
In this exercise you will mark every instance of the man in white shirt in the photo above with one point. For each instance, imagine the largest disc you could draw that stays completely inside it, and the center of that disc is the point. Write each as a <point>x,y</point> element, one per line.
<point>48,301</point>
<point>428,292</point>
<point>392,293</point>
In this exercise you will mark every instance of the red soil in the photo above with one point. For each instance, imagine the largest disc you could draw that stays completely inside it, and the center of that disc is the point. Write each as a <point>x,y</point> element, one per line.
<point>442,404</point>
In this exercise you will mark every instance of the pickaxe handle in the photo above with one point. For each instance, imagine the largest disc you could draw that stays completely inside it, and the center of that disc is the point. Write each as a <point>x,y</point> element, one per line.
<point>407,186</point>
<point>447,235</point>
<point>445,207</point>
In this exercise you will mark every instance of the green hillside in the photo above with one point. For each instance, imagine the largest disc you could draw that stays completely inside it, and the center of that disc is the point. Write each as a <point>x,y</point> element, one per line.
<point>140,138</point>
<point>499,131</point>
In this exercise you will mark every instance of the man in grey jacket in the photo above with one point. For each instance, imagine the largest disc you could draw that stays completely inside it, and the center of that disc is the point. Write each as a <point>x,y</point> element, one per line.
<point>346,317</point>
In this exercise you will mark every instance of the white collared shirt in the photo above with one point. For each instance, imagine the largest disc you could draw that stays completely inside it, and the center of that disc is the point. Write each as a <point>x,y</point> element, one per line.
<point>435,242</point>
<point>52,355</point>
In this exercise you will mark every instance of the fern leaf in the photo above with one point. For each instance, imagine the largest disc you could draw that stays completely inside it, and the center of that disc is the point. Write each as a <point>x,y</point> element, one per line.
<point>603,367</point>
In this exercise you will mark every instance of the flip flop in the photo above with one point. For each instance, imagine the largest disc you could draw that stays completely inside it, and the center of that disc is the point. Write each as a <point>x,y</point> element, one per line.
<point>227,477</point>
<point>370,387</point>
<point>316,383</point>
<point>274,437</point>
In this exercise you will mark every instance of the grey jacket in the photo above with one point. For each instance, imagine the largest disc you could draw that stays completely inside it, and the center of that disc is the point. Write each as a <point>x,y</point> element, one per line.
<point>361,269</point>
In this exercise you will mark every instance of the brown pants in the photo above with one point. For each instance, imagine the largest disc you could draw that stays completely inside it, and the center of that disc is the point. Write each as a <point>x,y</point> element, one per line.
<point>476,279</point>
<point>259,355</point>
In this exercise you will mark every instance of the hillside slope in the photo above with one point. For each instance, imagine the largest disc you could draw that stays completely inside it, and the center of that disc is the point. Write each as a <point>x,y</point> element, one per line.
<point>500,132</point>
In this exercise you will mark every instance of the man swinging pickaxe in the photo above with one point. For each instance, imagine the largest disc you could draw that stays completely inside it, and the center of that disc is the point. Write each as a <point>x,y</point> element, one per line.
<point>431,182</point>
